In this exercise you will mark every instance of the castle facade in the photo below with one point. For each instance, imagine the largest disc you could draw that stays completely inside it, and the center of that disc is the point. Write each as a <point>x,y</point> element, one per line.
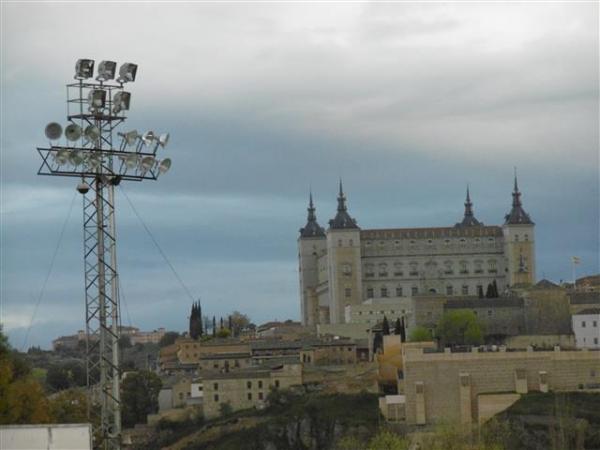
<point>346,265</point>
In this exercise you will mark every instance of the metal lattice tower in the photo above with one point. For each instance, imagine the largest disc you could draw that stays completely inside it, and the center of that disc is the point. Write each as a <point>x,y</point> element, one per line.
<point>95,109</point>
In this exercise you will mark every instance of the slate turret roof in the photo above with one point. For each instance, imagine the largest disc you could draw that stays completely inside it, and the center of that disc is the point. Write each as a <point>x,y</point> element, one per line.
<point>342,219</point>
<point>469,219</point>
<point>517,215</point>
<point>312,228</point>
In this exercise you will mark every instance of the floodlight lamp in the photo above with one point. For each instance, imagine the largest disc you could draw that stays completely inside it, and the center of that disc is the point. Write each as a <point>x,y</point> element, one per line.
<point>148,137</point>
<point>131,161</point>
<point>164,165</point>
<point>73,132</point>
<point>62,156</point>
<point>96,99</point>
<point>92,133</point>
<point>53,131</point>
<point>76,157</point>
<point>106,70</point>
<point>83,188</point>
<point>127,72</point>
<point>147,163</point>
<point>84,68</point>
<point>121,102</point>
<point>130,137</point>
<point>93,161</point>
<point>163,139</point>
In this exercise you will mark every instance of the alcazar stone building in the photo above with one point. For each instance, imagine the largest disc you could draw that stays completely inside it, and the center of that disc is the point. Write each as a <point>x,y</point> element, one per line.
<point>346,265</point>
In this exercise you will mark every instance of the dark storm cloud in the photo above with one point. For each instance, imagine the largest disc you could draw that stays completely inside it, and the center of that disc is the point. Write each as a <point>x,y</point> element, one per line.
<point>407,102</point>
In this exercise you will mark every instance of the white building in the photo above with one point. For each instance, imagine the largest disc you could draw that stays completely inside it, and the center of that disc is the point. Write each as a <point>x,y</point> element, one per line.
<point>346,265</point>
<point>46,437</point>
<point>586,326</point>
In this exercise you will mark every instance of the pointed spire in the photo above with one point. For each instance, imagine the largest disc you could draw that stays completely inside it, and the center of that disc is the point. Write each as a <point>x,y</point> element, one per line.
<point>517,214</point>
<point>341,199</point>
<point>468,204</point>
<point>516,195</point>
<point>469,219</point>
<point>312,228</point>
<point>311,208</point>
<point>342,219</point>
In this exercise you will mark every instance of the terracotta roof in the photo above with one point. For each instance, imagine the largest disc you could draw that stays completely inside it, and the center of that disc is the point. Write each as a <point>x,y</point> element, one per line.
<point>499,302</point>
<point>584,298</point>
<point>546,284</point>
<point>588,311</point>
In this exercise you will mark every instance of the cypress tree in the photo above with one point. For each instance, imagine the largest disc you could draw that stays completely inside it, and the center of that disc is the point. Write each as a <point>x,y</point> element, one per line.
<point>221,324</point>
<point>490,291</point>
<point>200,328</point>
<point>194,318</point>
<point>403,330</point>
<point>480,291</point>
<point>495,285</point>
<point>398,327</point>
<point>386,326</point>
<point>214,329</point>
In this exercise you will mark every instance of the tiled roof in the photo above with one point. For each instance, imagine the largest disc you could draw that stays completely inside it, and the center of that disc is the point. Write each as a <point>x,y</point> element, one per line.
<point>588,311</point>
<point>210,356</point>
<point>470,303</point>
<point>584,298</point>
<point>546,284</point>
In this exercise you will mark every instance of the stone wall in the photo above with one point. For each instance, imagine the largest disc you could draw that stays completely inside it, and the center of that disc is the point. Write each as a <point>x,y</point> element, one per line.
<point>445,386</point>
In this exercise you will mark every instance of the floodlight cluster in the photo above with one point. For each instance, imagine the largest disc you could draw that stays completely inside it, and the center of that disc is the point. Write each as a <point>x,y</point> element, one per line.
<point>98,97</point>
<point>84,69</point>
<point>88,137</point>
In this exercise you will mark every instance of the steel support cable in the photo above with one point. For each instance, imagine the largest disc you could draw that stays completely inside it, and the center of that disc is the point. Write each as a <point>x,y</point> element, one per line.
<point>52,261</point>
<point>155,242</point>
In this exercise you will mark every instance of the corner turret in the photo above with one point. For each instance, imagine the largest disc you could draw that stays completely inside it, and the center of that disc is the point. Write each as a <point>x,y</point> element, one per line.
<point>469,219</point>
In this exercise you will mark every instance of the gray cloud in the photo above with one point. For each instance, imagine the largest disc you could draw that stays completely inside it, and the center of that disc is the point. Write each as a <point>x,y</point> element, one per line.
<point>406,101</point>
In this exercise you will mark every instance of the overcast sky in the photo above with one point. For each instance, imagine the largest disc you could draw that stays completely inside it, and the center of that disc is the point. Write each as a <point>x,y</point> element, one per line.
<point>407,102</point>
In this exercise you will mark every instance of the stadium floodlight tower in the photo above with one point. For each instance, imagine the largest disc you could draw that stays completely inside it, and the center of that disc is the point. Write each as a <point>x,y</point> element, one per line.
<point>95,110</point>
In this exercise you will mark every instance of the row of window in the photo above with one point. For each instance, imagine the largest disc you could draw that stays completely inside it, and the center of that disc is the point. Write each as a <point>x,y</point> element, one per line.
<point>594,324</point>
<point>383,291</point>
<point>248,385</point>
<point>595,341</point>
<point>413,268</point>
<point>382,312</point>
<point>248,396</point>
<point>431,242</point>
<point>414,290</point>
